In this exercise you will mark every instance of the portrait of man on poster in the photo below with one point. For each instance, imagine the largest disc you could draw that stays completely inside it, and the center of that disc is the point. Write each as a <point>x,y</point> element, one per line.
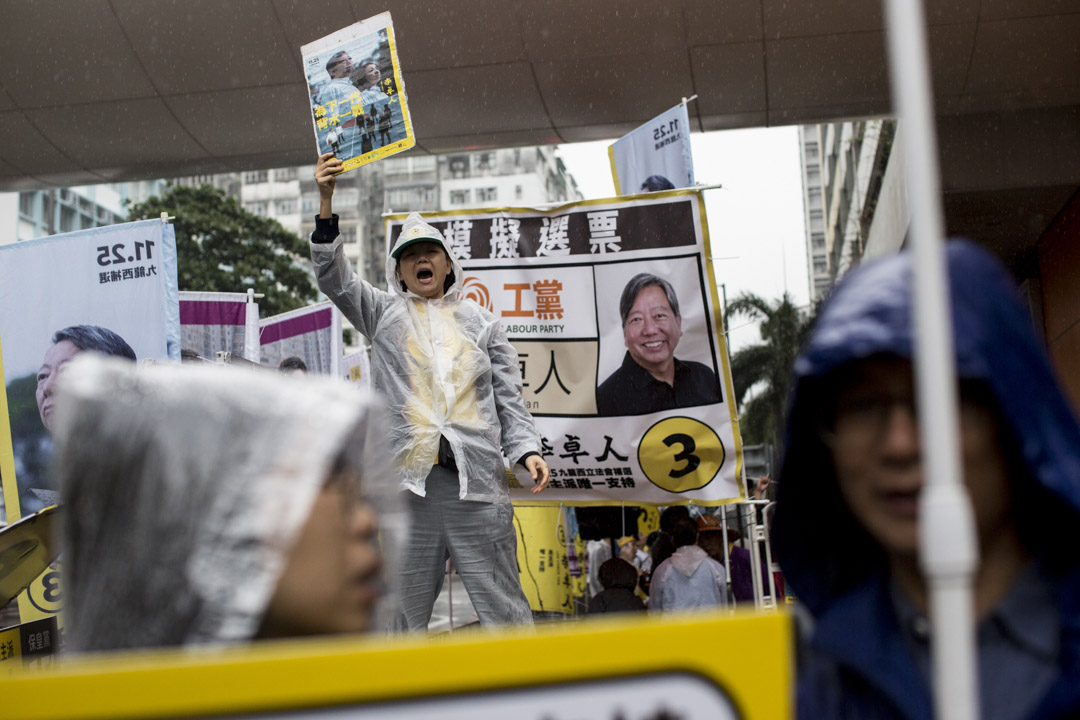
<point>651,378</point>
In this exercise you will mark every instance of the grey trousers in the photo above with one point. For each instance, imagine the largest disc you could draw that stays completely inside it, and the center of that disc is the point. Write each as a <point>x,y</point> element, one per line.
<point>479,537</point>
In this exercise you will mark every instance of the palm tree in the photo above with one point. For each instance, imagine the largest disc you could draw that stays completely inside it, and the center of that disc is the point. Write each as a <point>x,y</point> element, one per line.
<point>784,328</point>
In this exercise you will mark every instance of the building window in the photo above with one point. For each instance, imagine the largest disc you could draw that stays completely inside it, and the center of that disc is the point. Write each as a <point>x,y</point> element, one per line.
<point>813,177</point>
<point>485,161</point>
<point>488,194</point>
<point>255,177</point>
<point>817,240</point>
<point>817,223</point>
<point>459,197</point>
<point>395,165</point>
<point>310,205</point>
<point>518,192</point>
<point>347,197</point>
<point>820,266</point>
<point>813,197</point>
<point>812,154</point>
<point>286,207</point>
<point>67,220</point>
<point>517,158</point>
<point>285,174</point>
<point>26,204</point>
<point>348,235</point>
<point>424,163</point>
<point>459,166</point>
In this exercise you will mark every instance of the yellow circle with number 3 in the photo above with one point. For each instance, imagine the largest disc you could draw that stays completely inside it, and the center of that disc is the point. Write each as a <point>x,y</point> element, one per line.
<point>44,592</point>
<point>680,454</point>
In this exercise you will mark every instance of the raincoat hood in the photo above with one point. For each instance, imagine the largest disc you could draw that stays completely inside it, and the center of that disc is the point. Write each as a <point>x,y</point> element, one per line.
<point>415,230</point>
<point>186,487</point>
<point>817,542</point>
<point>687,559</point>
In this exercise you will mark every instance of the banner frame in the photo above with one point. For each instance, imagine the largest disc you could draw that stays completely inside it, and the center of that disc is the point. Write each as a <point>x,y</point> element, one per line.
<point>724,365</point>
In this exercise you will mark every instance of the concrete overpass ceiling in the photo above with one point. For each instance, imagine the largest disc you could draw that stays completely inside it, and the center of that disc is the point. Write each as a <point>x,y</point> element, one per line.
<point>108,90</point>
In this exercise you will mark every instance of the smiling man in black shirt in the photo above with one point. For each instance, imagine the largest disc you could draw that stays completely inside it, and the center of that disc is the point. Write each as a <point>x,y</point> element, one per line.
<point>651,378</point>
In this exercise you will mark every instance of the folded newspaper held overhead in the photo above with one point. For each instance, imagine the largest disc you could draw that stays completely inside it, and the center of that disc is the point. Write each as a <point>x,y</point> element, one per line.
<point>358,105</point>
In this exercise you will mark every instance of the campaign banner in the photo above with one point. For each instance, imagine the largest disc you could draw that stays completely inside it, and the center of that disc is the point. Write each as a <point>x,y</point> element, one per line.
<point>612,307</point>
<point>312,334</point>
<point>112,290</point>
<point>548,557</point>
<point>655,156</point>
<point>358,103</point>
<point>213,322</point>
<point>29,646</point>
<point>356,368</point>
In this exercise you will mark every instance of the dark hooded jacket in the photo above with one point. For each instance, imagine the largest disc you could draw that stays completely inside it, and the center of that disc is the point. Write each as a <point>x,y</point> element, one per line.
<point>832,565</point>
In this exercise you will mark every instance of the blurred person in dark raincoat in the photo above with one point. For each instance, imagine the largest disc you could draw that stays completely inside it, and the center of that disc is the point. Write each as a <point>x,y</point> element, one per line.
<point>206,505</point>
<point>846,523</point>
<point>619,578</point>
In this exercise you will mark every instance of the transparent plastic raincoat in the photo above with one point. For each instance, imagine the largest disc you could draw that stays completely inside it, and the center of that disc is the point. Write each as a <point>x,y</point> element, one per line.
<point>445,367</point>
<point>184,489</point>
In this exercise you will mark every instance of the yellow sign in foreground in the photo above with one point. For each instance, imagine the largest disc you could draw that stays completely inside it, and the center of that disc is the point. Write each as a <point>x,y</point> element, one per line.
<point>691,667</point>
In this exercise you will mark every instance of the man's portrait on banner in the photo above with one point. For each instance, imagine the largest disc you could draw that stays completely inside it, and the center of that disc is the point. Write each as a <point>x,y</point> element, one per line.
<point>651,378</point>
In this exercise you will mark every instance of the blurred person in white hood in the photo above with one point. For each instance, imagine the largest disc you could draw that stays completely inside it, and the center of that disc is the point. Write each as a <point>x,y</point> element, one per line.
<point>689,578</point>
<point>209,505</point>
<point>453,386</point>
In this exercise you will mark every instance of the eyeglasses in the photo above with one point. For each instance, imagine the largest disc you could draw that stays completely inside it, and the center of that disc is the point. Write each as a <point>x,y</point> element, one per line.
<point>859,418</point>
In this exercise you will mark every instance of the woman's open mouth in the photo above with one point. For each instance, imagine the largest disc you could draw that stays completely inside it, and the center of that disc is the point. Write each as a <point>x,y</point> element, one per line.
<point>424,274</point>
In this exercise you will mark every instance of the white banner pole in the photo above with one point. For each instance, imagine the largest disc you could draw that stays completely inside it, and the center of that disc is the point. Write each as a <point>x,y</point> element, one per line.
<point>947,549</point>
<point>252,349</point>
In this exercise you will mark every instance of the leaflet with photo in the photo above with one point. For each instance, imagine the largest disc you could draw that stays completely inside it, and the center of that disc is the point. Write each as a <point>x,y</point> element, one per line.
<point>358,105</point>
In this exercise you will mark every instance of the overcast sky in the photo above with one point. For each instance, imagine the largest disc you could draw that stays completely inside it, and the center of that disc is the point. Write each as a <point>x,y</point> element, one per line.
<point>755,220</point>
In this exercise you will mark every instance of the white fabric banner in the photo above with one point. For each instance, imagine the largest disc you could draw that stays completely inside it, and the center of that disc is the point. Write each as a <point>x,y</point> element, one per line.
<point>111,290</point>
<point>356,368</point>
<point>636,412</point>
<point>655,156</point>
<point>115,285</point>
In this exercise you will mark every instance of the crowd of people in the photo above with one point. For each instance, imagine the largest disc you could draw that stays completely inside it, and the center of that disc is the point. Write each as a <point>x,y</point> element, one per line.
<point>688,562</point>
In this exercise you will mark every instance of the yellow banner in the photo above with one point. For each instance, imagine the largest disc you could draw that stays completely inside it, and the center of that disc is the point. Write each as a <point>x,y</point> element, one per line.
<point>543,562</point>
<point>594,668</point>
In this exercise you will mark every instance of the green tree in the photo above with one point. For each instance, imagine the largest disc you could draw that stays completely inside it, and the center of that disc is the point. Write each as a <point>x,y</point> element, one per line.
<point>768,365</point>
<point>223,248</point>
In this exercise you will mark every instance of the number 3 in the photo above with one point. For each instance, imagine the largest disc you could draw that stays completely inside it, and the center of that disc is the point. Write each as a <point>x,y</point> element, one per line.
<point>51,581</point>
<point>688,447</point>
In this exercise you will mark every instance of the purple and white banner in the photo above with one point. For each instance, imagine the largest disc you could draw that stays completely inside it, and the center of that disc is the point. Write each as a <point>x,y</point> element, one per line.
<point>213,322</point>
<point>312,334</point>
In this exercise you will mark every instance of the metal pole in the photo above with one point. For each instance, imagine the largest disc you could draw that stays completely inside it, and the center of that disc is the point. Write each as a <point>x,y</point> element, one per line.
<point>450,592</point>
<point>727,555</point>
<point>947,549</point>
<point>723,292</point>
<point>755,556</point>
